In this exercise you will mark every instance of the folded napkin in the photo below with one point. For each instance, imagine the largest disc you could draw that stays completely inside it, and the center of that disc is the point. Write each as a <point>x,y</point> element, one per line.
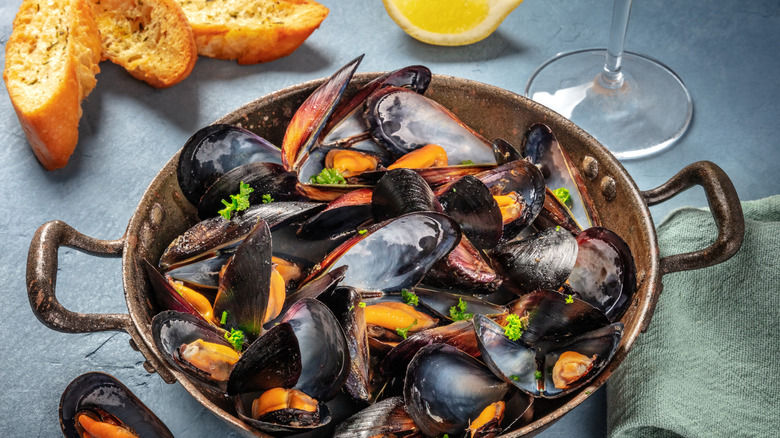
<point>709,364</point>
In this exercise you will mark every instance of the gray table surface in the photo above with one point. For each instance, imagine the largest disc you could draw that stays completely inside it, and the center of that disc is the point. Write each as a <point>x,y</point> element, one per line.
<point>725,51</point>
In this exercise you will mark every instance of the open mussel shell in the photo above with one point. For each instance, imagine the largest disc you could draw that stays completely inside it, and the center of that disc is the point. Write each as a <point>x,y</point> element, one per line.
<point>244,288</point>
<point>513,361</point>
<point>215,150</point>
<point>555,214</point>
<point>440,302</point>
<point>165,295</point>
<point>554,316</point>
<point>264,179</point>
<point>601,344</point>
<point>273,360</point>
<point>403,121</point>
<point>102,393</point>
<point>542,149</point>
<point>395,254</point>
<point>342,215</point>
<point>464,271</point>
<point>542,260</point>
<point>283,422</point>
<point>524,179</point>
<point>324,349</point>
<point>310,118</point>
<point>171,330</point>
<point>385,418</point>
<point>473,207</point>
<point>210,236</point>
<point>204,273</point>
<point>604,274</point>
<point>445,387</point>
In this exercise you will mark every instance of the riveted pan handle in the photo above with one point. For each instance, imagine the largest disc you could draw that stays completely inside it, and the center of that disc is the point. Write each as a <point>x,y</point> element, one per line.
<point>725,208</point>
<point>42,278</point>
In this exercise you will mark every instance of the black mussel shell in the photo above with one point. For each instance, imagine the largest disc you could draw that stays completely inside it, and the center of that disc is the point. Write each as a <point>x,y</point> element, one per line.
<point>542,149</point>
<point>513,361</point>
<point>555,214</point>
<point>446,387</point>
<point>282,422</point>
<point>244,288</point>
<point>395,254</point>
<point>402,191</point>
<point>202,274</point>
<point>171,330</point>
<point>471,204</point>
<point>553,316</point>
<point>273,360</point>
<point>605,274</point>
<point>441,302</point>
<point>264,179</point>
<point>384,418</point>
<point>165,295</point>
<point>344,214</point>
<point>215,150</point>
<point>100,392</point>
<point>324,349</point>
<point>403,121</point>
<point>543,260</point>
<point>601,343</point>
<point>210,236</point>
<point>464,271</point>
<point>312,289</point>
<point>505,152</point>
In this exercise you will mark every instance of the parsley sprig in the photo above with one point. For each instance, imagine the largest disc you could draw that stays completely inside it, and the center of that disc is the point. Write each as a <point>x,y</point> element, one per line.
<point>458,311</point>
<point>236,339</point>
<point>404,332</point>
<point>564,196</point>
<point>239,202</point>
<point>514,327</point>
<point>410,298</point>
<point>328,176</point>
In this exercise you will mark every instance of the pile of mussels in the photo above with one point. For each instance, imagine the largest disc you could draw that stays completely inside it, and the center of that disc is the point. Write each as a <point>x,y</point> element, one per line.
<point>439,288</point>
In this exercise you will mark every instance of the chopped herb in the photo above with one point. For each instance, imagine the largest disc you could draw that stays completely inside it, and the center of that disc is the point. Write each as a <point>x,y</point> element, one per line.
<point>514,327</point>
<point>351,307</point>
<point>410,298</point>
<point>328,176</point>
<point>361,304</point>
<point>236,339</point>
<point>564,196</point>
<point>458,311</point>
<point>515,378</point>
<point>466,163</point>
<point>538,375</point>
<point>363,231</point>
<point>224,318</point>
<point>454,190</point>
<point>237,202</point>
<point>569,299</point>
<point>404,332</point>
<point>267,199</point>
<point>587,392</point>
<point>557,228</point>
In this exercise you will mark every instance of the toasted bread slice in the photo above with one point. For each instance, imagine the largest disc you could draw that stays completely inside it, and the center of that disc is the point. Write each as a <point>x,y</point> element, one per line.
<point>252,31</point>
<point>151,39</point>
<point>51,60</point>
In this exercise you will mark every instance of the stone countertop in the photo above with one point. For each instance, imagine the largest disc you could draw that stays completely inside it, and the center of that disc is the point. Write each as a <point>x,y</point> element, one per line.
<point>726,52</point>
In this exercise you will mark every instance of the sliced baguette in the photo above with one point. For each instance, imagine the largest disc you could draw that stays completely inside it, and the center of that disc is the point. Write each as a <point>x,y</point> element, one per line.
<point>51,60</point>
<point>151,39</point>
<point>252,31</point>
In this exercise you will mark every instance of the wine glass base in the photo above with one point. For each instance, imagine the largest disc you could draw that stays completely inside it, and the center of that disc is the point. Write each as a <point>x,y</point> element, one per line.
<point>647,114</point>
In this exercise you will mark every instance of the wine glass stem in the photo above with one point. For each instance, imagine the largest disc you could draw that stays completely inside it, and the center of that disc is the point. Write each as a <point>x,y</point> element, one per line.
<point>611,77</point>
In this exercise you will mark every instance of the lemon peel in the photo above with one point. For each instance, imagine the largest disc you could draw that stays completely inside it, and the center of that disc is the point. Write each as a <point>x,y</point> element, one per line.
<point>449,23</point>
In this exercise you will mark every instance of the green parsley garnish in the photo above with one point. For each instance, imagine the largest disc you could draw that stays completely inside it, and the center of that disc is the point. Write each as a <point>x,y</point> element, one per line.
<point>514,327</point>
<point>557,228</point>
<point>237,202</point>
<point>458,311</point>
<point>538,375</point>
<point>363,231</point>
<point>351,308</point>
<point>224,318</point>
<point>328,176</point>
<point>466,163</point>
<point>569,299</point>
<point>267,199</point>
<point>361,304</point>
<point>236,339</point>
<point>563,195</point>
<point>404,332</point>
<point>410,298</point>
<point>515,378</point>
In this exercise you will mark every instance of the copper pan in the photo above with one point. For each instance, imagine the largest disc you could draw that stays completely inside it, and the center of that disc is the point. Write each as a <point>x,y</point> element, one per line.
<point>164,213</point>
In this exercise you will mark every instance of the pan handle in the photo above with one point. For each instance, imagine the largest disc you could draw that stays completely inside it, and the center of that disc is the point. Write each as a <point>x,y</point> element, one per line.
<point>42,278</point>
<point>724,205</point>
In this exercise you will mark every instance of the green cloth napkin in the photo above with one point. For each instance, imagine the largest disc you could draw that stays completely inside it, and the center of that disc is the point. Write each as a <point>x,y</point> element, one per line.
<point>709,364</point>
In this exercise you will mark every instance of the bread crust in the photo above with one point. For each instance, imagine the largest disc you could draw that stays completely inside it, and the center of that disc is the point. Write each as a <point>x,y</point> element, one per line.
<point>282,27</point>
<point>151,39</point>
<point>50,68</point>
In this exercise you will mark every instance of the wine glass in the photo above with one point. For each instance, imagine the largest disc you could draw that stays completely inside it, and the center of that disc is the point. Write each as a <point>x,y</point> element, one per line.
<point>632,104</point>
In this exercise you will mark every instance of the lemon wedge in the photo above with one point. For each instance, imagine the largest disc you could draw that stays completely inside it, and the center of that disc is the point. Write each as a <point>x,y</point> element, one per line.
<point>448,22</point>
